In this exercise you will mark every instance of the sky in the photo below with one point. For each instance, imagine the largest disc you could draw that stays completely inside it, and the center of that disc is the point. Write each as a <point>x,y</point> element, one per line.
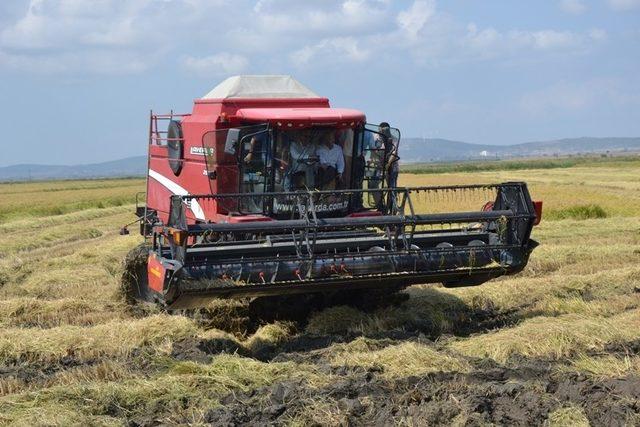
<point>78,77</point>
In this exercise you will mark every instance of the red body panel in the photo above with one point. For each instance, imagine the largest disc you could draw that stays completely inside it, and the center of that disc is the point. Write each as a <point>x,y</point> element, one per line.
<point>156,273</point>
<point>297,116</point>
<point>214,114</point>
<point>538,207</point>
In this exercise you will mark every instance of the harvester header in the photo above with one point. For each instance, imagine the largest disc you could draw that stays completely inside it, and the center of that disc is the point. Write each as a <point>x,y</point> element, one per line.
<point>265,189</point>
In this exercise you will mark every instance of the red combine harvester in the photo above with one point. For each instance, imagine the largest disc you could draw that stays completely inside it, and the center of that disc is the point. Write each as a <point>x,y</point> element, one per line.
<point>264,189</point>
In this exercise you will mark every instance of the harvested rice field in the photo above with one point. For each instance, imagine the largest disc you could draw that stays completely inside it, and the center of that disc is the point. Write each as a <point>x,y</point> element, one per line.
<point>556,345</point>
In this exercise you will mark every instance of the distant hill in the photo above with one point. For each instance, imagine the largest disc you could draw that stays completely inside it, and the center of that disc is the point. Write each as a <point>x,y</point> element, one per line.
<point>130,166</point>
<point>412,150</point>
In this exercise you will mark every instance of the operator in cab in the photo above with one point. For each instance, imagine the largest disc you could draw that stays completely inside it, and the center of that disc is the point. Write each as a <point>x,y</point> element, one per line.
<point>330,163</point>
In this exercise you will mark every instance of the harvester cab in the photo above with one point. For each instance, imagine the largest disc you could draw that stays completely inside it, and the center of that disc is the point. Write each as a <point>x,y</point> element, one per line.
<point>265,189</point>
<point>320,156</point>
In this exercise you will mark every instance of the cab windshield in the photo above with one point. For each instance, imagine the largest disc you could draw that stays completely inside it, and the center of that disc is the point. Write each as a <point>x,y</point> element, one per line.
<point>318,158</point>
<point>313,159</point>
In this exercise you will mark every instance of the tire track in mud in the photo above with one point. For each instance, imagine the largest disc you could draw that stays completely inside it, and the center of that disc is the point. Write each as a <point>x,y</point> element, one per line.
<point>524,394</point>
<point>520,392</point>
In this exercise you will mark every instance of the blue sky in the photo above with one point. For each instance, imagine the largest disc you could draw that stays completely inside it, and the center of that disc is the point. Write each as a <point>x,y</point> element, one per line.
<point>78,77</point>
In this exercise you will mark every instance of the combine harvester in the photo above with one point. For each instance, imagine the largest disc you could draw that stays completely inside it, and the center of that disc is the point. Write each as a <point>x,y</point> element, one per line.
<point>264,189</point>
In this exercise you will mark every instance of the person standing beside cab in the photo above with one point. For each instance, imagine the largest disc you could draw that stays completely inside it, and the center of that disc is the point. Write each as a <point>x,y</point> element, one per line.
<point>390,145</point>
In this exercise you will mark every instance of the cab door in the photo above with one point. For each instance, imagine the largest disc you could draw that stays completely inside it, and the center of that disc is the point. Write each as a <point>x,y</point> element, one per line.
<point>232,166</point>
<point>255,165</point>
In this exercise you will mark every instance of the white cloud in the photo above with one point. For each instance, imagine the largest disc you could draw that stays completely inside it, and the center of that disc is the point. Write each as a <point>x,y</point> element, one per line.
<point>321,31</point>
<point>330,51</point>
<point>483,39</point>
<point>413,20</point>
<point>323,19</point>
<point>111,36</point>
<point>216,65</point>
<point>622,5</point>
<point>101,36</point>
<point>491,43</point>
<point>597,34</point>
<point>59,24</point>
<point>575,7</point>
<point>559,40</point>
<point>545,39</point>
<point>433,38</point>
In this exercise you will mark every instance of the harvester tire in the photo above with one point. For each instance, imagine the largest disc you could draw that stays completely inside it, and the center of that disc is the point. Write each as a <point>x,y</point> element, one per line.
<point>367,299</point>
<point>467,282</point>
<point>134,282</point>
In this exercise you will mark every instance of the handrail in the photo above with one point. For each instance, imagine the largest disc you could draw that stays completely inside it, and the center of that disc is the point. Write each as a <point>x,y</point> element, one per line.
<point>155,137</point>
<point>349,191</point>
<point>329,223</point>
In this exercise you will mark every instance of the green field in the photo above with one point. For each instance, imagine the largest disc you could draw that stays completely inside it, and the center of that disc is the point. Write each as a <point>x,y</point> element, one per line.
<point>522,164</point>
<point>535,348</point>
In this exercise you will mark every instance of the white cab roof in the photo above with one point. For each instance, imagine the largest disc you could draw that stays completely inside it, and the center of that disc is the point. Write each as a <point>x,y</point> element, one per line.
<point>271,86</point>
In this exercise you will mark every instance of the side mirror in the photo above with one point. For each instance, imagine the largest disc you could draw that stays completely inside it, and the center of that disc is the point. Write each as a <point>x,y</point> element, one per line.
<point>231,143</point>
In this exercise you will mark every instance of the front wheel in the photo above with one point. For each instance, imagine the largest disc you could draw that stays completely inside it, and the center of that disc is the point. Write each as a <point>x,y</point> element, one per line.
<point>134,284</point>
<point>467,282</point>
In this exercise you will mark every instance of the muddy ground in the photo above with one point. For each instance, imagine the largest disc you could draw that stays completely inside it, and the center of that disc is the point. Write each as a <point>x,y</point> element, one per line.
<point>490,394</point>
<point>520,392</point>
